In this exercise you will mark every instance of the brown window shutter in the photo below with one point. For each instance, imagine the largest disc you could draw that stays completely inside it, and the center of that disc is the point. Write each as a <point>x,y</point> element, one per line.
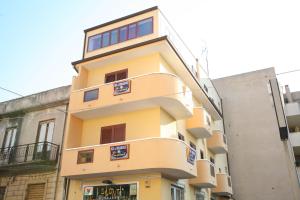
<point>35,191</point>
<point>106,135</point>
<point>119,132</point>
<point>110,78</point>
<point>122,75</point>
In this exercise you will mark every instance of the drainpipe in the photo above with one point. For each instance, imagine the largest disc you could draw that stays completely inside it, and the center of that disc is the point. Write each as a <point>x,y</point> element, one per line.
<point>60,150</point>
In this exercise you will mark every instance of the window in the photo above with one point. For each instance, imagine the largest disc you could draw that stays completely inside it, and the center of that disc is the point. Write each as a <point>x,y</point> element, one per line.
<point>85,156</point>
<point>10,137</point>
<point>177,193</point>
<point>35,191</point>
<point>208,120</point>
<point>115,133</point>
<point>94,42</point>
<point>229,181</point>
<point>212,160</point>
<point>114,37</point>
<point>116,76</point>
<point>2,192</point>
<point>45,134</point>
<point>105,39</point>
<point>121,34</point>
<point>193,145</point>
<point>224,139</point>
<point>131,31</point>
<point>180,137</point>
<point>212,170</point>
<point>91,95</point>
<point>144,27</point>
<point>201,154</point>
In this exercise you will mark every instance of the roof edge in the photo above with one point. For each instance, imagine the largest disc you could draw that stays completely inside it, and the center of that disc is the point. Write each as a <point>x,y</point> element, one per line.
<point>121,19</point>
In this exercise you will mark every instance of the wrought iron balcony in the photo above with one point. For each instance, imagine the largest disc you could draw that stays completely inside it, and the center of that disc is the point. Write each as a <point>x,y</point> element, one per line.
<point>30,157</point>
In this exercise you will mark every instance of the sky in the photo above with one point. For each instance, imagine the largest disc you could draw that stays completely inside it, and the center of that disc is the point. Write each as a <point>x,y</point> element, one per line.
<point>40,39</point>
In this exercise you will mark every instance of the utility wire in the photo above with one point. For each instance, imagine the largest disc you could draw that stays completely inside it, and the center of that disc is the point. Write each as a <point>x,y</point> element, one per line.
<point>296,70</point>
<point>7,90</point>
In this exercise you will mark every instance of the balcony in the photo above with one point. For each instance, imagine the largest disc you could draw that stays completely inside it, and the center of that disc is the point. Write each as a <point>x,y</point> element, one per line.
<point>199,124</point>
<point>167,156</point>
<point>141,92</point>
<point>217,143</point>
<point>206,177</point>
<point>224,187</point>
<point>295,139</point>
<point>292,111</point>
<point>28,158</point>
<point>165,40</point>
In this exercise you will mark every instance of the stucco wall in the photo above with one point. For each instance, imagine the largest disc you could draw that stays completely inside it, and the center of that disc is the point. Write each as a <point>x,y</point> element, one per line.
<point>260,163</point>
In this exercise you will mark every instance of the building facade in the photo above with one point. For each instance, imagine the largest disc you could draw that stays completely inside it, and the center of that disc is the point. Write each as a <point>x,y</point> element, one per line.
<point>31,133</point>
<point>145,121</point>
<point>292,110</point>
<point>261,161</point>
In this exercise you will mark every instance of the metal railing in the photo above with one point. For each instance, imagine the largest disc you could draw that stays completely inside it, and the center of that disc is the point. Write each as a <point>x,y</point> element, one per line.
<point>29,153</point>
<point>195,64</point>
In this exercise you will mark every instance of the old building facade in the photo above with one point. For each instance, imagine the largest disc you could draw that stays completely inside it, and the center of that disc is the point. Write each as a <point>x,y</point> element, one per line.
<point>31,133</point>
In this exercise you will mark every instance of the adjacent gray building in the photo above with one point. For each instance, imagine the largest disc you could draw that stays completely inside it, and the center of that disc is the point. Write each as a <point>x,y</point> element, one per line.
<point>292,110</point>
<point>260,155</point>
<point>31,134</point>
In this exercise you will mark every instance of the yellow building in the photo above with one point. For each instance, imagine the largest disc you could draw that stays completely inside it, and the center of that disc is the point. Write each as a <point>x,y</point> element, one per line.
<point>145,121</point>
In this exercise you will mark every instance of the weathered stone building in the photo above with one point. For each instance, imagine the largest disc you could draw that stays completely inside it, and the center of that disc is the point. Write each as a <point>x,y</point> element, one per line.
<point>31,134</point>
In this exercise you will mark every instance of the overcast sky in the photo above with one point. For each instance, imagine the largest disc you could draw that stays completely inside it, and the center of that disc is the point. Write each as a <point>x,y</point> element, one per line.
<point>40,39</point>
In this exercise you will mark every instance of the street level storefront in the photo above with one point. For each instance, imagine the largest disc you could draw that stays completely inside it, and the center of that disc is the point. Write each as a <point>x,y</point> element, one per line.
<point>111,192</point>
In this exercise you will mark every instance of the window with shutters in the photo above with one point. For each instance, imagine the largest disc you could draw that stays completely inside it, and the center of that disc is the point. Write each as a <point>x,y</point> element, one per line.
<point>44,137</point>
<point>35,191</point>
<point>116,76</point>
<point>111,134</point>
<point>10,137</point>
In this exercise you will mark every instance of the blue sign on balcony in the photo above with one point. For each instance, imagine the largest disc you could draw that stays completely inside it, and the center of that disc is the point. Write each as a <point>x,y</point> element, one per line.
<point>121,87</point>
<point>191,155</point>
<point>119,152</point>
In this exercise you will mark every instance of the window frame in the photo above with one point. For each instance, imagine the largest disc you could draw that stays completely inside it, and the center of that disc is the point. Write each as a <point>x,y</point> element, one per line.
<point>84,95</point>
<point>202,154</point>
<point>39,129</point>
<point>119,31</point>
<point>85,151</point>
<point>181,137</point>
<point>112,133</point>
<point>6,134</point>
<point>115,73</point>
<point>192,145</point>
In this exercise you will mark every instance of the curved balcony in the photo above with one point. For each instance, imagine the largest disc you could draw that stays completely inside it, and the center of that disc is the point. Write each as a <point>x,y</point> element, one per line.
<point>199,123</point>
<point>217,143</point>
<point>159,155</point>
<point>224,187</point>
<point>149,90</point>
<point>206,177</point>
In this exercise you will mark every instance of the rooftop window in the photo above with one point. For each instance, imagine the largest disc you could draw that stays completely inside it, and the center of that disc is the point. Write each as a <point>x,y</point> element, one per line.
<point>121,34</point>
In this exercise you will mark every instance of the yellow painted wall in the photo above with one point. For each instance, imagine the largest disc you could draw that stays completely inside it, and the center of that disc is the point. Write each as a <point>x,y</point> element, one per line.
<point>149,185</point>
<point>142,65</point>
<point>139,124</point>
<point>167,125</point>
